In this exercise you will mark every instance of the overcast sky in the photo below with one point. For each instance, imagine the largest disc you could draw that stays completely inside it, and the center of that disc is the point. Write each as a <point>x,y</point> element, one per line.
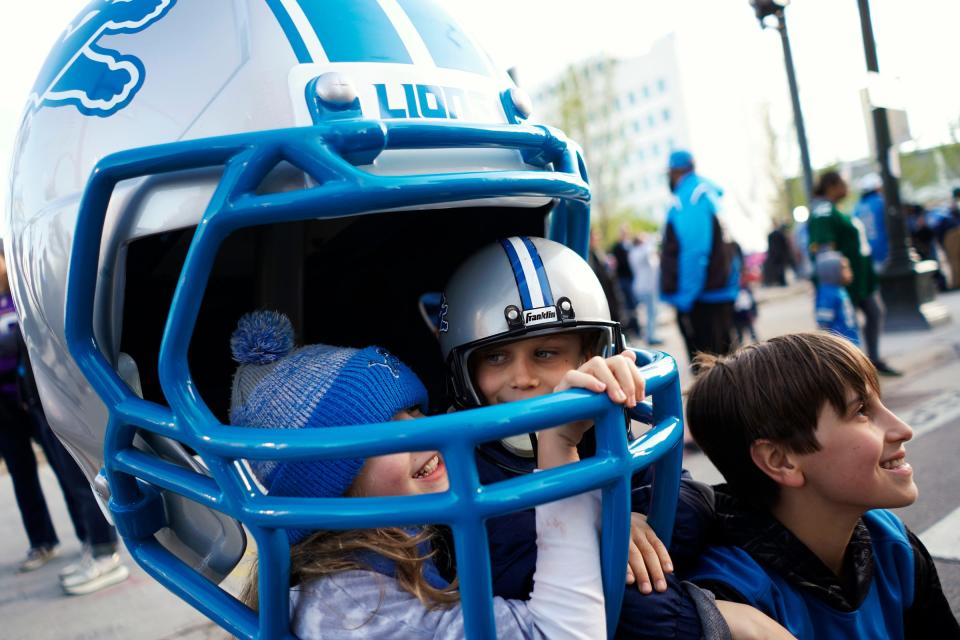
<point>916,39</point>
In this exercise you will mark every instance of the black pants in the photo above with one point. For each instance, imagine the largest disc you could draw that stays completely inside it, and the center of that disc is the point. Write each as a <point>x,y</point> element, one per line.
<point>88,520</point>
<point>872,319</point>
<point>630,323</point>
<point>707,327</point>
<point>17,451</point>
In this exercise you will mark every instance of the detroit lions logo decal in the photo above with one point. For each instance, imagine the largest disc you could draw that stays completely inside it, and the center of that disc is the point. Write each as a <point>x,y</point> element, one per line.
<point>390,362</point>
<point>444,326</point>
<point>81,72</point>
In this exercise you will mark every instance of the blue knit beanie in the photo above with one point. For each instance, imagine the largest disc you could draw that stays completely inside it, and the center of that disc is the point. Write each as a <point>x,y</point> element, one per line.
<point>312,387</point>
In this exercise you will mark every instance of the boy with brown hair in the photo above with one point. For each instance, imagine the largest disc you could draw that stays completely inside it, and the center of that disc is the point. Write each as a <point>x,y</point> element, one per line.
<point>812,460</point>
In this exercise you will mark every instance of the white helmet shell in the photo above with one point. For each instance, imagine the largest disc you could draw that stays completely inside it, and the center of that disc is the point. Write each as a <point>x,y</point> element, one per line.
<point>132,74</point>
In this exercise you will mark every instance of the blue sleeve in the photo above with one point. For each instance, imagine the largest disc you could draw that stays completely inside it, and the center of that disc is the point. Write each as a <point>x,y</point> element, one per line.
<point>671,614</point>
<point>694,233</point>
<point>737,572</point>
<point>826,311</point>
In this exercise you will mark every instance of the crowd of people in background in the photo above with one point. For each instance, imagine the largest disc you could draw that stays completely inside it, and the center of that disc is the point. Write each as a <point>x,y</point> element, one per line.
<point>693,265</point>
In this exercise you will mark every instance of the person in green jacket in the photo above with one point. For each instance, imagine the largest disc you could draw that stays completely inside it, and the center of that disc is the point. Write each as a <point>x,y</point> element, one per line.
<point>830,228</point>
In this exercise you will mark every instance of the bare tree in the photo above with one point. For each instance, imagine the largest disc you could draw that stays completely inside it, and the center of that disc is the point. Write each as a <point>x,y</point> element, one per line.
<point>585,96</point>
<point>780,200</point>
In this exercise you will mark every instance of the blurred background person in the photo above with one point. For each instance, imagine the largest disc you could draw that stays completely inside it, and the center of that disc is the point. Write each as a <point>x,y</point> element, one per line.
<point>16,447</point>
<point>100,565</point>
<point>621,254</point>
<point>745,306</point>
<point>645,264</point>
<point>799,241</point>
<point>779,257</point>
<point>925,228</point>
<point>870,212</point>
<point>831,228</point>
<point>696,261</point>
<point>600,264</point>
<point>951,240</point>
<point>833,310</point>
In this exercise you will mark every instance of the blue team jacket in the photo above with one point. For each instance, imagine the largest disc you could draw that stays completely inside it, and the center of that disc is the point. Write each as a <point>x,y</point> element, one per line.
<point>804,614</point>
<point>695,261</point>
<point>835,312</point>
<point>870,211</point>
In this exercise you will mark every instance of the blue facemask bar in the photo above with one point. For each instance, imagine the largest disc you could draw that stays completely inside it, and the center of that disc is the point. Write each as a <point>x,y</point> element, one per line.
<point>328,153</point>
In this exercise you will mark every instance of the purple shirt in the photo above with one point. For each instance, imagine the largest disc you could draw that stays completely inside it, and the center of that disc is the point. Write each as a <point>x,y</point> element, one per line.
<point>8,361</point>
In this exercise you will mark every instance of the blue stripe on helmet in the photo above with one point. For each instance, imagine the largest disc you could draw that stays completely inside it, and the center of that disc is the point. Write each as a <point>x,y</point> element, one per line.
<point>447,43</point>
<point>290,31</point>
<point>518,273</point>
<point>541,272</point>
<point>372,37</point>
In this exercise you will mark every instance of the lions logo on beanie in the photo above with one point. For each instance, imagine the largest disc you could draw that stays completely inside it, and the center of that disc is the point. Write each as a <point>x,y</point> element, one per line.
<point>312,387</point>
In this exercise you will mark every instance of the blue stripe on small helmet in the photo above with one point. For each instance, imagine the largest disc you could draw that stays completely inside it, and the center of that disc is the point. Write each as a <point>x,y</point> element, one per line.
<point>532,282</point>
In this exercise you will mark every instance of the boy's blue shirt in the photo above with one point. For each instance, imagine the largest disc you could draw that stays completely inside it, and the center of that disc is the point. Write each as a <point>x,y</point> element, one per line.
<point>513,550</point>
<point>887,588</point>
<point>835,312</point>
<point>802,611</point>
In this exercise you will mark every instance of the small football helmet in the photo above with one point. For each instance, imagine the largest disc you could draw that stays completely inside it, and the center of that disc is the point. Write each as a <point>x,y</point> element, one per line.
<point>516,288</point>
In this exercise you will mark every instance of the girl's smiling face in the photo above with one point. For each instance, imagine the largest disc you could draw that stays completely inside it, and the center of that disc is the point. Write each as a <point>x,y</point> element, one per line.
<point>402,474</point>
<point>861,462</point>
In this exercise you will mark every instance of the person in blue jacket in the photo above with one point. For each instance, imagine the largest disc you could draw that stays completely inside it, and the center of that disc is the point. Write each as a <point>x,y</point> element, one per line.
<point>696,261</point>
<point>812,464</point>
<point>834,310</point>
<point>870,211</point>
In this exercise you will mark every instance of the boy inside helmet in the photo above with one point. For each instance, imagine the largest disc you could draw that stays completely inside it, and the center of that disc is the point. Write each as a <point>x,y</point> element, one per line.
<point>526,317</point>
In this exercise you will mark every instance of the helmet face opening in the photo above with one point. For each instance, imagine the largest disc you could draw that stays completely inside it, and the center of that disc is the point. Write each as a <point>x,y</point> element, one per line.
<point>348,281</point>
<point>597,339</point>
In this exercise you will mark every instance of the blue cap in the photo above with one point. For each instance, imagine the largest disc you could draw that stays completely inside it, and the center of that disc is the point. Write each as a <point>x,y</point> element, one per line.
<point>680,159</point>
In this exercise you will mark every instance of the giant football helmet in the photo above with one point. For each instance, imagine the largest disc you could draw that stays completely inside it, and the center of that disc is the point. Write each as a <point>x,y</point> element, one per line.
<point>181,162</point>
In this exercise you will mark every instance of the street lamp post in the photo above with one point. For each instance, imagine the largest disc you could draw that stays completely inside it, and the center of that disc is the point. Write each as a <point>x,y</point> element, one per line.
<point>906,285</point>
<point>765,8</point>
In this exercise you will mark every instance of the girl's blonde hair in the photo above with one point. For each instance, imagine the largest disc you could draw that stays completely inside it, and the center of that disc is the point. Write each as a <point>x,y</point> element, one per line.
<point>325,553</point>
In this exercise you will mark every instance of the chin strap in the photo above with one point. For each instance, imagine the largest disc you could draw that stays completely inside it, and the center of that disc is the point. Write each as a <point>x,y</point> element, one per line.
<point>523,445</point>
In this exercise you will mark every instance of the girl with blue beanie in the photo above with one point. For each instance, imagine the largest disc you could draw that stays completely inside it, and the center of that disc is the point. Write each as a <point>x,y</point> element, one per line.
<point>383,583</point>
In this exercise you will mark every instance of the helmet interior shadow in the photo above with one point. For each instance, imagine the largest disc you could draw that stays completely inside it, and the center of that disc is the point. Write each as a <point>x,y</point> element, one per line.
<point>350,281</point>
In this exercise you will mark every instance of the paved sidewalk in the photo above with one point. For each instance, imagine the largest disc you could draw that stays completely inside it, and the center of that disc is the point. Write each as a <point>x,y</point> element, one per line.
<point>33,606</point>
